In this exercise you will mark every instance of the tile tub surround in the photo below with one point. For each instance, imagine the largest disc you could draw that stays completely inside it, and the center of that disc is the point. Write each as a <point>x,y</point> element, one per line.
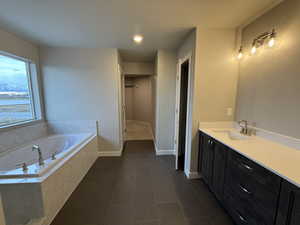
<point>42,200</point>
<point>76,126</point>
<point>278,158</point>
<point>2,219</point>
<point>13,137</point>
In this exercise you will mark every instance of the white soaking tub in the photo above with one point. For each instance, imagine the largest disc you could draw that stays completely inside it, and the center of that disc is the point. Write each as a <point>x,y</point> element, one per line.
<point>38,193</point>
<point>59,146</point>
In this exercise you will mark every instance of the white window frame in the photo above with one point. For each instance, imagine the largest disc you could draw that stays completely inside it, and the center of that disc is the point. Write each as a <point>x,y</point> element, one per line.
<point>34,93</point>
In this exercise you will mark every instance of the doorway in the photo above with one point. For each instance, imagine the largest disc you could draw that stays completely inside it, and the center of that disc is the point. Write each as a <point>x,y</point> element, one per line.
<point>182,113</point>
<point>138,108</point>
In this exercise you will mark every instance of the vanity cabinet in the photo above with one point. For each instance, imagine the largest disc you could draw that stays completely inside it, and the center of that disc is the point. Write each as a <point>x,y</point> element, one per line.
<point>213,156</point>
<point>219,166</point>
<point>207,159</point>
<point>289,205</point>
<point>251,194</point>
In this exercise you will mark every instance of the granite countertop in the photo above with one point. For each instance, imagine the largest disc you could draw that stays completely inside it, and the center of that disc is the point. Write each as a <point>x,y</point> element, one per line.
<point>280,159</point>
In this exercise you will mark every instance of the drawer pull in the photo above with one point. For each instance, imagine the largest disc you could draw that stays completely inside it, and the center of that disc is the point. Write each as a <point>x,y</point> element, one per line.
<point>241,218</point>
<point>246,167</point>
<point>245,190</point>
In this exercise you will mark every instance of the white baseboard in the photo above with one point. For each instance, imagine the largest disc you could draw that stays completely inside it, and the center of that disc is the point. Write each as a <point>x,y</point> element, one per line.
<point>36,221</point>
<point>110,153</point>
<point>165,152</point>
<point>192,175</point>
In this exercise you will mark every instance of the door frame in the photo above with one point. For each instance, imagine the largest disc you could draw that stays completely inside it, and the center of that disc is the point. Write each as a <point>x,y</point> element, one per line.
<point>182,60</point>
<point>120,103</point>
<point>123,103</point>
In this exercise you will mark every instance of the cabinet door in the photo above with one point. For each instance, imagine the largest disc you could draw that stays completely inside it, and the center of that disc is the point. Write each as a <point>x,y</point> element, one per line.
<point>207,159</point>
<point>289,205</point>
<point>220,153</point>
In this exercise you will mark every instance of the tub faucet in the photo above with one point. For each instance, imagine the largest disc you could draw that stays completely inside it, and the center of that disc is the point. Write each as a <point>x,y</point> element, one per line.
<point>41,159</point>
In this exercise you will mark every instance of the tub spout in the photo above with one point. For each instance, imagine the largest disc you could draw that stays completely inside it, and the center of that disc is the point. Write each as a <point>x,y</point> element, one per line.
<point>38,149</point>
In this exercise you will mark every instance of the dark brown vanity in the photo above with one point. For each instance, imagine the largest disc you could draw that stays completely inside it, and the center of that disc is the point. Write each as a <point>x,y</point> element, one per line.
<point>251,194</point>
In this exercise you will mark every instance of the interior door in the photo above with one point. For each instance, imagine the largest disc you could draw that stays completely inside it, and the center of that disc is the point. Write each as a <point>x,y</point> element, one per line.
<point>177,112</point>
<point>182,132</point>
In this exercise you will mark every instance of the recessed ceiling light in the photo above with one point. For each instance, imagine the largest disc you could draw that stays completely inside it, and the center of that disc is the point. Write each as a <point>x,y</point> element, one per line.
<point>138,39</point>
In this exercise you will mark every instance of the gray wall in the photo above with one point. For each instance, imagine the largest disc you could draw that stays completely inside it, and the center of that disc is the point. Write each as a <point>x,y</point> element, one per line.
<point>216,78</point>
<point>129,99</point>
<point>83,84</point>
<point>214,81</point>
<point>139,99</point>
<point>138,68</point>
<point>216,74</point>
<point>17,46</point>
<point>142,106</point>
<point>165,99</point>
<point>269,83</point>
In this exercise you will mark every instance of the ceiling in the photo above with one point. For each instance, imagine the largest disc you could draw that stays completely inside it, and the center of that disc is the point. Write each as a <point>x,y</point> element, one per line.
<point>112,23</point>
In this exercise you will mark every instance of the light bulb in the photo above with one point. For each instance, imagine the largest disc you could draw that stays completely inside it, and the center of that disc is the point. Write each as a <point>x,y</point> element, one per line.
<point>253,50</point>
<point>240,55</point>
<point>271,42</point>
<point>138,39</point>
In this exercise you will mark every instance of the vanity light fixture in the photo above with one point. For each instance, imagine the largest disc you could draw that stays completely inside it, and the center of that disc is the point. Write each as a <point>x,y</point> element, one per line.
<point>260,40</point>
<point>240,54</point>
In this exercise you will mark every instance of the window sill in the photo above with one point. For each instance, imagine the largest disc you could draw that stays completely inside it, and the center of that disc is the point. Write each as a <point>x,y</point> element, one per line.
<point>20,124</point>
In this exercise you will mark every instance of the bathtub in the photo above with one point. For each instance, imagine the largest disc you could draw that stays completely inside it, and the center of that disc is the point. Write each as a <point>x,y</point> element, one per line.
<point>61,146</point>
<point>40,192</point>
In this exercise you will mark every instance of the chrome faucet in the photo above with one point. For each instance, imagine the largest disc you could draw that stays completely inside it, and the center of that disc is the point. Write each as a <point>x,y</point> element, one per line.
<point>24,166</point>
<point>41,159</point>
<point>244,128</point>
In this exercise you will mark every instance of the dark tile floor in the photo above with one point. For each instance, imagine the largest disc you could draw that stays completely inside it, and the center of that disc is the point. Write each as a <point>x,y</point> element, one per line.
<point>140,188</point>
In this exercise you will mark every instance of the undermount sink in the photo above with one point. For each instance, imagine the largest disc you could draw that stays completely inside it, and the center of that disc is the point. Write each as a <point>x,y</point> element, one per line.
<point>233,135</point>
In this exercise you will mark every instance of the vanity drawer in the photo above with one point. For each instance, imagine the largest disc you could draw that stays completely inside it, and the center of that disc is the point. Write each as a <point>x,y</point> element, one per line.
<point>254,198</point>
<point>248,171</point>
<point>266,192</point>
<point>253,186</point>
<point>240,213</point>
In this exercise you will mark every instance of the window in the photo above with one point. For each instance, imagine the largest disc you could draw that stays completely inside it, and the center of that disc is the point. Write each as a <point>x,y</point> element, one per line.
<point>16,97</point>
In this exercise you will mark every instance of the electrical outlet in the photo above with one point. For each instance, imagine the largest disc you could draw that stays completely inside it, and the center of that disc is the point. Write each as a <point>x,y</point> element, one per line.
<point>229,111</point>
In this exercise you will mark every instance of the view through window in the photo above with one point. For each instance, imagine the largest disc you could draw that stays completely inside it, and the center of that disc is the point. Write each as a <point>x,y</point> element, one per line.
<point>15,97</point>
